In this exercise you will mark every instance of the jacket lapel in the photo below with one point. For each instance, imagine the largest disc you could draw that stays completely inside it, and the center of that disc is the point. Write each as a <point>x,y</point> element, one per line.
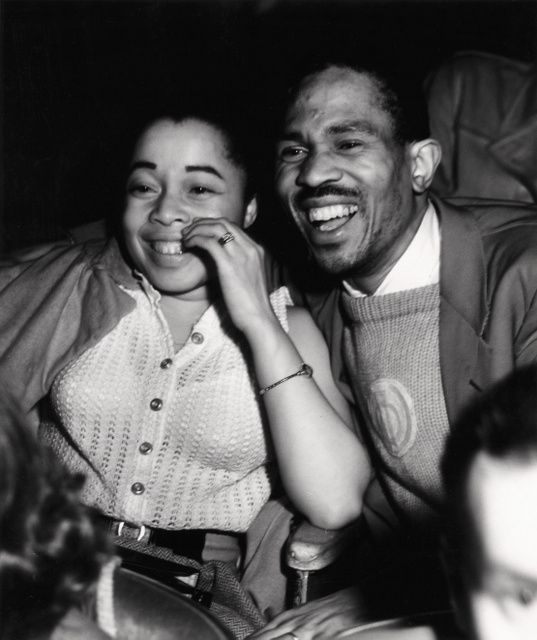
<point>463,307</point>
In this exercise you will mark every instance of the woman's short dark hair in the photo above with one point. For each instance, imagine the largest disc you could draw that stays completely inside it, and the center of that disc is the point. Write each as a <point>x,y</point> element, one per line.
<point>233,124</point>
<point>51,550</point>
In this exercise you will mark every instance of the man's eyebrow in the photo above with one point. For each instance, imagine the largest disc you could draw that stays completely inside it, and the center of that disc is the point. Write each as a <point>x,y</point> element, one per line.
<point>207,168</point>
<point>348,126</point>
<point>142,164</point>
<point>353,126</point>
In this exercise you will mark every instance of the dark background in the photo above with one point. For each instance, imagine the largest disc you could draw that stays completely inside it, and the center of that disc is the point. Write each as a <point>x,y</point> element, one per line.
<point>77,73</point>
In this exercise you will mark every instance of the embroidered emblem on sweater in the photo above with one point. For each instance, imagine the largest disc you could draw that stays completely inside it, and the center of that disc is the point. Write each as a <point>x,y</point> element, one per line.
<point>392,412</point>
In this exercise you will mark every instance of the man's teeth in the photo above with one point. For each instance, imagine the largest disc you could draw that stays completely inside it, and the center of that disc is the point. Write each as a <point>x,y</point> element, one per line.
<point>322,214</point>
<point>168,248</point>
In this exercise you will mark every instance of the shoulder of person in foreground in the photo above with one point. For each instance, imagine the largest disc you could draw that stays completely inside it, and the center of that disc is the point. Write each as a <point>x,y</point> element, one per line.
<point>145,609</point>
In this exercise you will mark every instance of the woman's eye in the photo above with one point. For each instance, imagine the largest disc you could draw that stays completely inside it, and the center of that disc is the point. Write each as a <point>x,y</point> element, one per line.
<point>140,189</point>
<point>292,154</point>
<point>200,190</point>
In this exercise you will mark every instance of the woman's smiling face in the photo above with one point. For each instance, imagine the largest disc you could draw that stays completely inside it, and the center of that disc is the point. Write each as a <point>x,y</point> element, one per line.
<point>180,171</point>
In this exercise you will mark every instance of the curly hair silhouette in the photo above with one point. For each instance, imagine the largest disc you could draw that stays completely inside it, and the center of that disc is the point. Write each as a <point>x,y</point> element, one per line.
<point>51,550</point>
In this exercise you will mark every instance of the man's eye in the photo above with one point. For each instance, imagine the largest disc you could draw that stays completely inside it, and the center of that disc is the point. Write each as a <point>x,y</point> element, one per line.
<point>292,154</point>
<point>348,145</point>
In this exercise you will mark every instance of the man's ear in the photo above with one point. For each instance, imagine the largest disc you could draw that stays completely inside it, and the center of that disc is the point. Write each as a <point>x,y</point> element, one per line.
<point>251,213</point>
<point>425,156</point>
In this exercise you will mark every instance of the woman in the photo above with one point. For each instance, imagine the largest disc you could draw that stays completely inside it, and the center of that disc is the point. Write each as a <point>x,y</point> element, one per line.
<point>178,385</point>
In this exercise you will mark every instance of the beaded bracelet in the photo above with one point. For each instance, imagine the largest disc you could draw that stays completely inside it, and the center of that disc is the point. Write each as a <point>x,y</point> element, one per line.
<point>305,370</point>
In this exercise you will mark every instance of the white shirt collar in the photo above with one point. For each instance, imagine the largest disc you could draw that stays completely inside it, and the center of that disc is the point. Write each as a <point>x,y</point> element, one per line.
<point>419,265</point>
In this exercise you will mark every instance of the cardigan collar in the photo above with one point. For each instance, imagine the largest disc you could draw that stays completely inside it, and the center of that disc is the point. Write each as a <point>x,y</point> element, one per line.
<point>108,256</point>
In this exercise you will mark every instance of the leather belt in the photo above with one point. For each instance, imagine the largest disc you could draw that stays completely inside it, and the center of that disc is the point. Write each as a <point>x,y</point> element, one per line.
<point>185,542</point>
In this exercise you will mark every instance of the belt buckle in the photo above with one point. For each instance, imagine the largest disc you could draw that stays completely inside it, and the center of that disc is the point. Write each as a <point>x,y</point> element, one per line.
<point>139,536</point>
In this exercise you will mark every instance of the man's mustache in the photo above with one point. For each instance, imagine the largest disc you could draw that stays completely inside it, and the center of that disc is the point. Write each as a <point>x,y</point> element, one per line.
<point>324,191</point>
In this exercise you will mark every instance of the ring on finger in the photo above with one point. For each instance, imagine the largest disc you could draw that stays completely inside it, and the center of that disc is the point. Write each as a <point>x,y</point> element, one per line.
<point>227,237</point>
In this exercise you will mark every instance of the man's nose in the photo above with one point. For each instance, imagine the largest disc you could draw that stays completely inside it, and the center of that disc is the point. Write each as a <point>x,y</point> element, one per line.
<point>168,210</point>
<point>318,168</point>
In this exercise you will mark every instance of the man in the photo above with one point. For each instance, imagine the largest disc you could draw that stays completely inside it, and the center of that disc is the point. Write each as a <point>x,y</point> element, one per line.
<point>490,473</point>
<point>433,304</point>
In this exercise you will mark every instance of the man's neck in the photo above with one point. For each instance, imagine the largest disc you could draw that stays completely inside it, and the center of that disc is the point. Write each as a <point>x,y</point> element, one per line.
<point>368,283</point>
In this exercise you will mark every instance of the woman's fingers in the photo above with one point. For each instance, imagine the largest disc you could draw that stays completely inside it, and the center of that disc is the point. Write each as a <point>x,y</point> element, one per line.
<point>227,244</point>
<point>220,231</point>
<point>239,265</point>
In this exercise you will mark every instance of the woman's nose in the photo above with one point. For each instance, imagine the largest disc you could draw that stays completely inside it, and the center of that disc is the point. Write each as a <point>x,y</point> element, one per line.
<point>168,210</point>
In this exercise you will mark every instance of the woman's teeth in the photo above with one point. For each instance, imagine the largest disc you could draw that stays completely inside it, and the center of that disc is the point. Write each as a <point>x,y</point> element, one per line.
<point>168,248</point>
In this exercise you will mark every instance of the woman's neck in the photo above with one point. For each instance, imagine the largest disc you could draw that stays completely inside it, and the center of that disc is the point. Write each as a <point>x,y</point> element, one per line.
<point>181,315</point>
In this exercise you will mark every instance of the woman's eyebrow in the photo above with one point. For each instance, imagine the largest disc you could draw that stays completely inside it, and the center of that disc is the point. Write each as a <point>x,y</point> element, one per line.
<point>142,164</point>
<point>290,136</point>
<point>207,168</point>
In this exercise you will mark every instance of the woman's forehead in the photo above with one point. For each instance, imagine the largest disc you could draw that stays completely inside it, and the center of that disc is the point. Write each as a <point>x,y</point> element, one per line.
<point>183,141</point>
<point>166,131</point>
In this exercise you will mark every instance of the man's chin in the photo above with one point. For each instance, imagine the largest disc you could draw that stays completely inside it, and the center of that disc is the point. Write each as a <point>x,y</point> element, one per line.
<point>334,264</point>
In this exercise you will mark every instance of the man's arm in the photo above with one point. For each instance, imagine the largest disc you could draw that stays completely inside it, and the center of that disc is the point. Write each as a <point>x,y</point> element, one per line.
<point>91,231</point>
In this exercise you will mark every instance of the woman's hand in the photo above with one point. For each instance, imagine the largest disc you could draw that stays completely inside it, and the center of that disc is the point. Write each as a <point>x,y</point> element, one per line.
<point>240,268</point>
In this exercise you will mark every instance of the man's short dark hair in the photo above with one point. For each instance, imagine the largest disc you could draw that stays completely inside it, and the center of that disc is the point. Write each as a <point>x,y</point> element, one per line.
<point>501,424</point>
<point>401,96</point>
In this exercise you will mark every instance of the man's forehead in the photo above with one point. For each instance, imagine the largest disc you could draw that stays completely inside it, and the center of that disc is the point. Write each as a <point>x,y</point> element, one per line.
<point>335,75</point>
<point>336,94</point>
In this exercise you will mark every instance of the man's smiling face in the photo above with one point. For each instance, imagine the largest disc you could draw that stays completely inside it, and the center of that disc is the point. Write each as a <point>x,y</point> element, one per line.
<point>343,176</point>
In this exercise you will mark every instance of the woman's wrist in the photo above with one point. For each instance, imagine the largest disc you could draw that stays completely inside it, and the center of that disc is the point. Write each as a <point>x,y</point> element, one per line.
<point>264,331</point>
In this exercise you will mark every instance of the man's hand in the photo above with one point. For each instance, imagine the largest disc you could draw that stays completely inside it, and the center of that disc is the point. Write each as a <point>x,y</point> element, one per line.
<point>320,619</point>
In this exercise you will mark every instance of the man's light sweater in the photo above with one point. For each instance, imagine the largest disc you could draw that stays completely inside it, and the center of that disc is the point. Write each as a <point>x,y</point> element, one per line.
<point>174,445</point>
<point>391,351</point>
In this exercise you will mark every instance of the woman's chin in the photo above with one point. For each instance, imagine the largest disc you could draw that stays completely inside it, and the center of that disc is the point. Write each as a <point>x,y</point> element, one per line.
<point>193,283</point>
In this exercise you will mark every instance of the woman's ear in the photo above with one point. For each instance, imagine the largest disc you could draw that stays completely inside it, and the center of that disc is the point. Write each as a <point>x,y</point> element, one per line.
<point>425,156</point>
<point>251,213</point>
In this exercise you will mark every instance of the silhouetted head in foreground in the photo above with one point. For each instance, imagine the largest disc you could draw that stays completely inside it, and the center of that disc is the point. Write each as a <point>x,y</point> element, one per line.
<point>490,476</point>
<point>50,549</point>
